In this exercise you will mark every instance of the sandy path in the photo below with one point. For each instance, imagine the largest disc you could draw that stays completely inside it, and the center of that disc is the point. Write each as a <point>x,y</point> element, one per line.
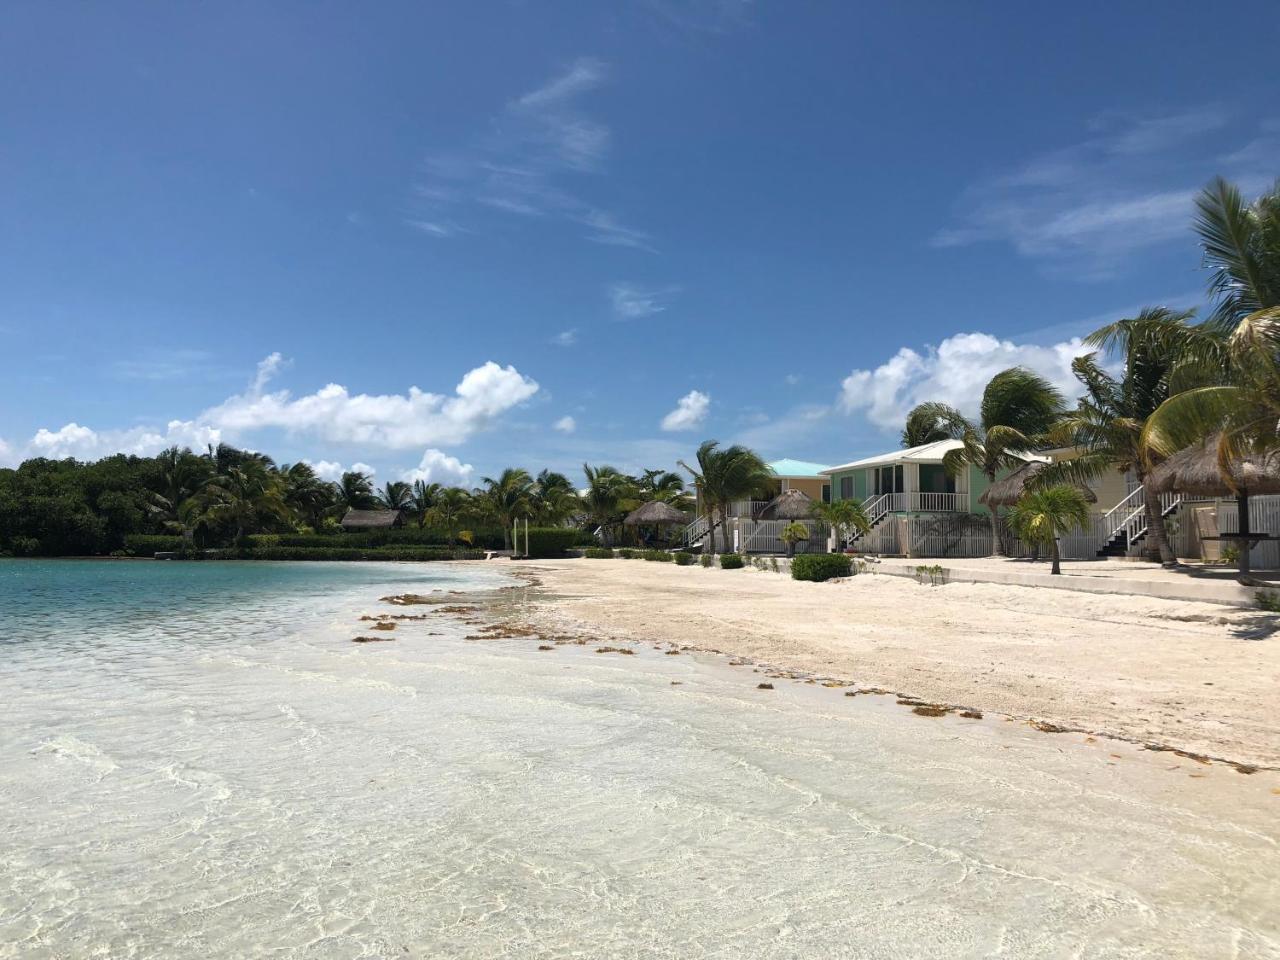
<point>1195,676</point>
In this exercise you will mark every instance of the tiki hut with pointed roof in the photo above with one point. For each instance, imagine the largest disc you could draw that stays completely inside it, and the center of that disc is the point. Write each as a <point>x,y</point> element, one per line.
<point>788,505</point>
<point>1009,490</point>
<point>1196,471</point>
<point>654,513</point>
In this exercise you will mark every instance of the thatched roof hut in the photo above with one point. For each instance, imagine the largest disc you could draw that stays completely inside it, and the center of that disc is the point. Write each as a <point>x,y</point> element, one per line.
<point>654,513</point>
<point>1195,471</point>
<point>1007,492</point>
<point>372,519</point>
<point>788,505</point>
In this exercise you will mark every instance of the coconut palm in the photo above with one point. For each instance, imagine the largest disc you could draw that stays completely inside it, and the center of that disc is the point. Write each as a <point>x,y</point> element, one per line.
<point>508,496</point>
<point>182,474</point>
<point>664,485</point>
<point>449,510</point>
<point>1018,409</point>
<point>793,533</point>
<point>1241,244</point>
<point>554,499</point>
<point>355,492</point>
<point>1046,513</point>
<point>243,497</point>
<point>1158,351</point>
<point>931,422</point>
<point>610,494</point>
<point>725,475</point>
<point>395,495</point>
<point>845,517</point>
<point>306,494</point>
<point>421,499</point>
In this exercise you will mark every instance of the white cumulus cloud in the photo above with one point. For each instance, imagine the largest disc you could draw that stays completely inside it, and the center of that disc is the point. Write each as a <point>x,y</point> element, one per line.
<point>691,410</point>
<point>393,421</point>
<point>85,443</point>
<point>438,467</point>
<point>955,372</point>
<point>566,424</point>
<point>326,469</point>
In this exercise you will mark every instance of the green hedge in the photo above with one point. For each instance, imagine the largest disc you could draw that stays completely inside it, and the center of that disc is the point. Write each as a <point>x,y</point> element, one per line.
<point>598,553</point>
<point>661,556</point>
<point>144,545</point>
<point>730,561</point>
<point>550,541</point>
<point>683,558</point>
<point>820,566</point>
<point>394,537</point>
<point>629,553</point>
<point>356,553</point>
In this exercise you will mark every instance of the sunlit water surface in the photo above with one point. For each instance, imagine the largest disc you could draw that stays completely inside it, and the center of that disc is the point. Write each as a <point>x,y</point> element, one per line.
<point>195,761</point>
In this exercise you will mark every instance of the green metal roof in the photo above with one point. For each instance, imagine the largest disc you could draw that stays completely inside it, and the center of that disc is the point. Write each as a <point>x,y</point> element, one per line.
<point>795,469</point>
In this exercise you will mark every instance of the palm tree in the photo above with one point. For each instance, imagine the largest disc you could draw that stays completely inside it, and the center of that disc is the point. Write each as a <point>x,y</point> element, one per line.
<point>931,422</point>
<point>396,495</point>
<point>554,499</point>
<point>306,494</point>
<point>509,497</point>
<point>845,517</point>
<point>793,533</point>
<point>1159,351</point>
<point>726,475</point>
<point>244,496</point>
<point>664,485</point>
<point>1242,247</point>
<point>1046,513</point>
<point>423,498</point>
<point>1018,409</point>
<point>449,509</point>
<point>355,492</point>
<point>609,494</point>
<point>182,474</point>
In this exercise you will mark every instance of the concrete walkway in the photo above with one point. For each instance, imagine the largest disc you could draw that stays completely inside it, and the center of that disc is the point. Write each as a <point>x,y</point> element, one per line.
<point>1192,582</point>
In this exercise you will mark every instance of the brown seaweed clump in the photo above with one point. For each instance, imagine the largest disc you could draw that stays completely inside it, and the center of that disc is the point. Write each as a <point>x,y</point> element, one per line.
<point>1044,726</point>
<point>410,599</point>
<point>971,714</point>
<point>672,653</point>
<point>545,646</point>
<point>622,650</point>
<point>764,686</point>
<point>383,625</point>
<point>930,710</point>
<point>372,639</point>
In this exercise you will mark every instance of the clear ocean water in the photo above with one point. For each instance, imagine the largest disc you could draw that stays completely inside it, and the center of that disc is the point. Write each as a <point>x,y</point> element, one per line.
<point>196,761</point>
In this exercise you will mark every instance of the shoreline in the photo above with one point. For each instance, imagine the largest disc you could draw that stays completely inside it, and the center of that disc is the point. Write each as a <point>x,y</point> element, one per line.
<point>1129,669</point>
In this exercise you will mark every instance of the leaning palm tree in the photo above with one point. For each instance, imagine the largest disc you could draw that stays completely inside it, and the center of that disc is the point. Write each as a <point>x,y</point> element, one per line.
<point>845,517</point>
<point>508,496</point>
<point>1241,244</point>
<point>306,494</point>
<point>182,474</point>
<point>554,499</point>
<point>1018,409</point>
<point>355,492</point>
<point>725,475</point>
<point>1046,513</point>
<point>244,497</point>
<point>662,485</point>
<point>931,422</point>
<point>422,499</point>
<point>1158,352</point>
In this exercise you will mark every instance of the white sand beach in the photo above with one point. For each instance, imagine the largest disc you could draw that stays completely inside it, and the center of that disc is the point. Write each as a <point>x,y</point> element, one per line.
<point>1193,676</point>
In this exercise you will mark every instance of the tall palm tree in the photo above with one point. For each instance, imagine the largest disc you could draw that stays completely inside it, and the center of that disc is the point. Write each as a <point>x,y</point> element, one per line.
<point>1241,244</point>
<point>355,492</point>
<point>664,485</point>
<point>931,422</point>
<point>422,499</point>
<point>305,493</point>
<point>1159,352</point>
<point>509,496</point>
<point>725,475</point>
<point>395,495</point>
<point>1046,513</point>
<point>182,474</point>
<point>449,510</point>
<point>609,494</point>
<point>244,496</point>
<point>1018,409</point>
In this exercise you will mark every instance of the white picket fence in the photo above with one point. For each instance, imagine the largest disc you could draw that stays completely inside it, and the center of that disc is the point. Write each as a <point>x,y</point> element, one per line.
<point>764,536</point>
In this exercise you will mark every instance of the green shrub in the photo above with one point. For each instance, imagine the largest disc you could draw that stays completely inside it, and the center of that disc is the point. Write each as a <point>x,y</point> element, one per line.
<point>683,558</point>
<point>628,553</point>
<point>146,545</point>
<point>661,556</point>
<point>730,561</point>
<point>598,553</point>
<point>707,560</point>
<point>550,541</point>
<point>820,566</point>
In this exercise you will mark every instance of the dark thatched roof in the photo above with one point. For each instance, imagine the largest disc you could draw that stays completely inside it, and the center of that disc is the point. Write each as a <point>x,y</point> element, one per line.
<point>1195,471</point>
<point>789,505</point>
<point>654,512</point>
<point>371,519</point>
<point>1007,492</point>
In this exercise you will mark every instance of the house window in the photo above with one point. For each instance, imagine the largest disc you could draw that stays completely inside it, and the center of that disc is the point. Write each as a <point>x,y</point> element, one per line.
<point>846,488</point>
<point>826,493</point>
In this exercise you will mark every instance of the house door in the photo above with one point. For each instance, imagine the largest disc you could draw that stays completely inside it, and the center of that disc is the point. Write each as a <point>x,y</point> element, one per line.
<point>888,479</point>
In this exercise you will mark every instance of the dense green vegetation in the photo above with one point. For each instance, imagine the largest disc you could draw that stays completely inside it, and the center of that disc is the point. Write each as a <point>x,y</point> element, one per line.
<point>238,503</point>
<point>731,561</point>
<point>820,566</point>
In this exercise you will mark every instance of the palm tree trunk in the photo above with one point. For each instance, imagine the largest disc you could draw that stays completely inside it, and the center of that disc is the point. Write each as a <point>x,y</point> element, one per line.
<point>724,530</point>
<point>1242,510</point>
<point>997,548</point>
<point>1056,569</point>
<point>1157,539</point>
<point>506,534</point>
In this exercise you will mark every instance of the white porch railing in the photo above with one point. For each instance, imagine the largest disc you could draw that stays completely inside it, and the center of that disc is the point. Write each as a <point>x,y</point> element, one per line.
<point>1128,518</point>
<point>918,502</point>
<point>746,508</point>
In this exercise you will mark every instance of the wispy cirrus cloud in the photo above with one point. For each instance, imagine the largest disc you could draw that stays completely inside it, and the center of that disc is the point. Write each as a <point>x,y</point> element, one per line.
<point>1088,206</point>
<point>566,338</point>
<point>541,145</point>
<point>631,302</point>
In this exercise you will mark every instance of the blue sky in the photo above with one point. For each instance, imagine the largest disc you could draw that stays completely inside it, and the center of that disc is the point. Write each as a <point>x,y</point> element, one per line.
<point>436,239</point>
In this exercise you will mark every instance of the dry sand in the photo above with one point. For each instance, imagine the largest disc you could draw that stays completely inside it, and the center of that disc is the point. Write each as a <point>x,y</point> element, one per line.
<point>1192,676</point>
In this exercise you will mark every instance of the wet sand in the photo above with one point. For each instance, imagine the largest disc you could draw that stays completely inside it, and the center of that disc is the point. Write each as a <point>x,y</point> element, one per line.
<point>1189,676</point>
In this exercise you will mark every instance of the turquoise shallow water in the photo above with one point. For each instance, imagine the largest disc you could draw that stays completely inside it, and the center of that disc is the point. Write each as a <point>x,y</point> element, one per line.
<point>195,761</point>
